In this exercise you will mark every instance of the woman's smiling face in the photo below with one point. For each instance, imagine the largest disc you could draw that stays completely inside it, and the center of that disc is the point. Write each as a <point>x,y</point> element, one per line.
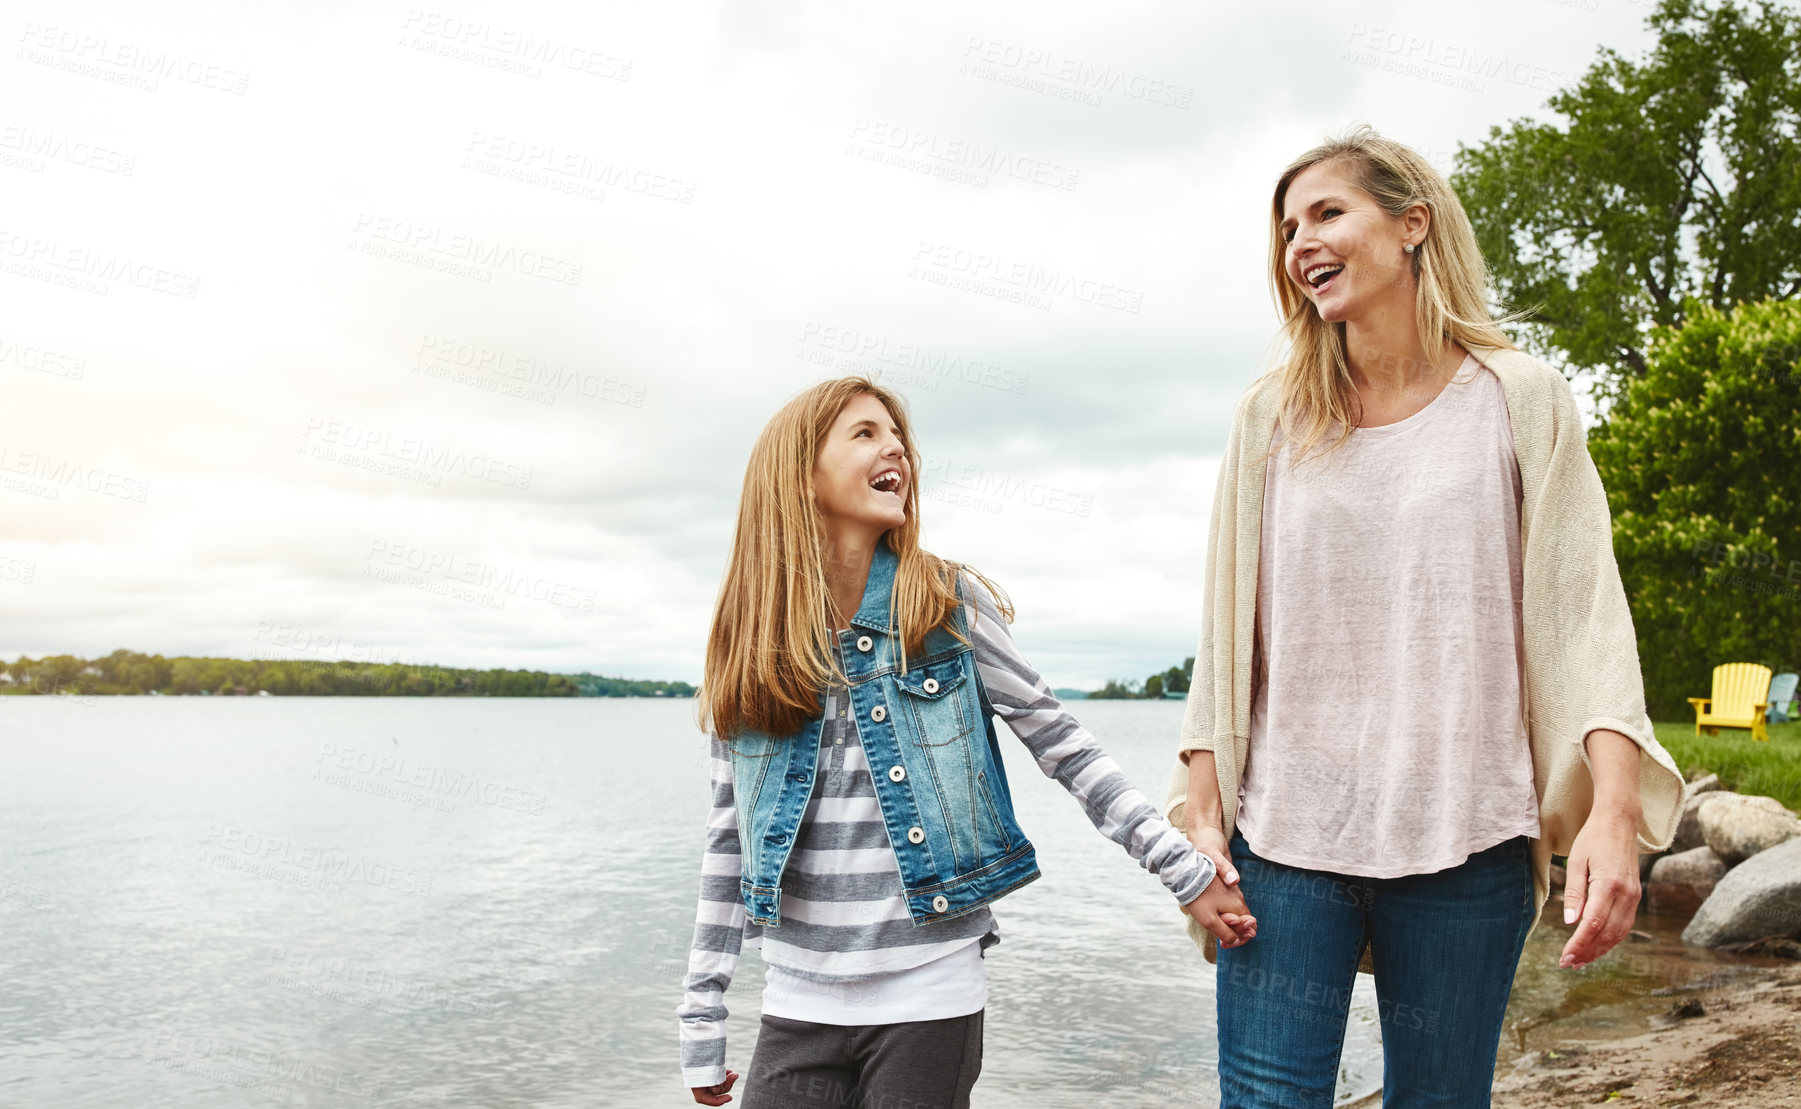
<point>861,475</point>
<point>1344,252</point>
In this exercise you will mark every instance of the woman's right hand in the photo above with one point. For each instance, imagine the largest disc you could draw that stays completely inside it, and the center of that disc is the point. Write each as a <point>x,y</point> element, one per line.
<point>716,1095</point>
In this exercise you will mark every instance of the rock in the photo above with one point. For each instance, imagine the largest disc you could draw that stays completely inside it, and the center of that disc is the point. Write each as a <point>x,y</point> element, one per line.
<point>1738,827</point>
<point>1684,1010</point>
<point>1679,883</point>
<point>1759,897</point>
<point>1774,947</point>
<point>1688,829</point>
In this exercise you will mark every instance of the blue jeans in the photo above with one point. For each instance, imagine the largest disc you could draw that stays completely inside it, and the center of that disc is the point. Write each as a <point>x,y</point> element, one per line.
<point>1444,945</point>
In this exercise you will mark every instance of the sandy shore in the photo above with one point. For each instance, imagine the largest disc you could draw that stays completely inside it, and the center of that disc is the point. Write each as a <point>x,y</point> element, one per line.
<point>1737,1046</point>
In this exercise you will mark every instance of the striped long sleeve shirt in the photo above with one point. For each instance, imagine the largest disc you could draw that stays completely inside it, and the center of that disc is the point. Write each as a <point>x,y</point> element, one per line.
<point>844,914</point>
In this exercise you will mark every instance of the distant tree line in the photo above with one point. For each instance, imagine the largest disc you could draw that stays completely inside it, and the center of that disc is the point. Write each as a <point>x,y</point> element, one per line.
<point>128,672</point>
<point>1153,688</point>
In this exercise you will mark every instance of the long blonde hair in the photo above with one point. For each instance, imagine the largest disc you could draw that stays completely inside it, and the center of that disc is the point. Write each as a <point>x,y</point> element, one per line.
<point>1451,299</point>
<point>769,651</point>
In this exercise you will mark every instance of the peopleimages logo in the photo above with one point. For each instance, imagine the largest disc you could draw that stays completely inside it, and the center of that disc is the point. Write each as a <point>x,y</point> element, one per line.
<point>218,1058</point>
<point>90,271</point>
<point>40,467</point>
<point>849,350</point>
<point>340,440</point>
<point>29,149</point>
<point>432,780</point>
<point>506,48</point>
<point>1067,77</point>
<point>1453,64</point>
<point>32,356</point>
<point>930,151</point>
<point>320,862</point>
<point>939,263</point>
<point>442,356</point>
<point>456,252</point>
<point>450,566</point>
<point>122,62</point>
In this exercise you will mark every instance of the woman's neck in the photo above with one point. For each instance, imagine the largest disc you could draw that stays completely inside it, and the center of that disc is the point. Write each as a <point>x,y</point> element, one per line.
<point>1389,360</point>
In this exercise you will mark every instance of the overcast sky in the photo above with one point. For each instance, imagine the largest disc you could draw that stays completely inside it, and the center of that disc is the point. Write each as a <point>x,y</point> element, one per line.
<point>442,333</point>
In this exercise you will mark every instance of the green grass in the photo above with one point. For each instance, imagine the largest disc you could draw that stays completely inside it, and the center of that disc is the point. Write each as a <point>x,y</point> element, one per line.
<point>1772,769</point>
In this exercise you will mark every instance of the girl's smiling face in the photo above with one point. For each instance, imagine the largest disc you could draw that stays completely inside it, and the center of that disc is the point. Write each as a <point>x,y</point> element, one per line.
<point>1344,252</point>
<point>861,475</point>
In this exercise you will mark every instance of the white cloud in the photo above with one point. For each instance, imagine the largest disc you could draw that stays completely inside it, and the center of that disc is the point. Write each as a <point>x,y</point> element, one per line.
<point>325,390</point>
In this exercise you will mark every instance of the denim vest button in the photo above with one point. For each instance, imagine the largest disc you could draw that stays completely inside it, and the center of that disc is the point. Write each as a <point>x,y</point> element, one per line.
<point>779,838</point>
<point>864,643</point>
<point>897,773</point>
<point>930,685</point>
<point>916,835</point>
<point>878,714</point>
<point>939,904</point>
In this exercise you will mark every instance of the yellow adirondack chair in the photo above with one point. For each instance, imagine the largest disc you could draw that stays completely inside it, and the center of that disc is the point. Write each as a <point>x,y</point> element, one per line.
<point>1739,689</point>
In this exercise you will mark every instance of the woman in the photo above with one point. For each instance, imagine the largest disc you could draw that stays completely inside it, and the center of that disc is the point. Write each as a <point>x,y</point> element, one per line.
<point>838,645</point>
<point>1417,677</point>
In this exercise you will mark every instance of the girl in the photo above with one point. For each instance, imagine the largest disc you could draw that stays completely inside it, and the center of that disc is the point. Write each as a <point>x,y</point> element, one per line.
<point>1417,677</point>
<point>861,820</point>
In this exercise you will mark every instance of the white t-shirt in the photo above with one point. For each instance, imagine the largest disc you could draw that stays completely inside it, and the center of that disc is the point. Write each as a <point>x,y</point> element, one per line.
<point>1387,733</point>
<point>952,985</point>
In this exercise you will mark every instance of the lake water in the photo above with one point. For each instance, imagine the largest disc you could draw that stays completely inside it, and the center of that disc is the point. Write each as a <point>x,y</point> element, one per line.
<point>344,901</point>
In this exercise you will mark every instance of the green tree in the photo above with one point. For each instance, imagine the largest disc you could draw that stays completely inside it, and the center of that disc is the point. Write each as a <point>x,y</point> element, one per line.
<point>1700,460</point>
<point>1670,180</point>
<point>1115,690</point>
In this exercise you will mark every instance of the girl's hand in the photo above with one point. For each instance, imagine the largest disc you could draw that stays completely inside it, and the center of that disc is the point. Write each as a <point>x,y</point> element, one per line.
<point>716,1095</point>
<point>1602,888</point>
<point>1245,926</point>
<point>1221,910</point>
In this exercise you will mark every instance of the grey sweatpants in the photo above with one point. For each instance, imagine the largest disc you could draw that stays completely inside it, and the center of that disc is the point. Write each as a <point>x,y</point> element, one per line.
<point>926,1064</point>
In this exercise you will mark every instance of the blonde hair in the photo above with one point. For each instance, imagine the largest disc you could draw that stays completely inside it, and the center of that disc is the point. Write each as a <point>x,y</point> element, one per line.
<point>769,651</point>
<point>1451,298</point>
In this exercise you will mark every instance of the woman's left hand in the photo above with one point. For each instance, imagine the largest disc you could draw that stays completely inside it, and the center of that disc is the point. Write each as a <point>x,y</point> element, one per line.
<point>1602,888</point>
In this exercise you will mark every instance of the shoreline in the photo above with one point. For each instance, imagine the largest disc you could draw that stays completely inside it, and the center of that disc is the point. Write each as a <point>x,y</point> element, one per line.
<point>1654,1022</point>
<point>1731,1045</point>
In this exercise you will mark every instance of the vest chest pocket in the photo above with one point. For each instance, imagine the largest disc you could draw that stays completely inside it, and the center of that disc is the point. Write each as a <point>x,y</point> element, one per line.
<point>936,699</point>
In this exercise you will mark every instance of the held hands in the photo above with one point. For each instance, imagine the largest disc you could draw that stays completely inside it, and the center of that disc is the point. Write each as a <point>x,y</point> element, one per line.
<point>716,1095</point>
<point>1602,888</point>
<point>1220,908</point>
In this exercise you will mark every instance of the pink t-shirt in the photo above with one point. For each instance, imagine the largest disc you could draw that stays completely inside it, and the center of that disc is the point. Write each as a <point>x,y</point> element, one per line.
<point>1387,736</point>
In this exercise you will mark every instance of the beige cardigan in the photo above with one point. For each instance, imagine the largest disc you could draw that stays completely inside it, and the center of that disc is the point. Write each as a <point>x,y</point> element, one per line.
<point>1581,656</point>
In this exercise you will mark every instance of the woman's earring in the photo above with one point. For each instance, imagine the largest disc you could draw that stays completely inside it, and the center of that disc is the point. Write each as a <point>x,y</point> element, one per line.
<point>1408,247</point>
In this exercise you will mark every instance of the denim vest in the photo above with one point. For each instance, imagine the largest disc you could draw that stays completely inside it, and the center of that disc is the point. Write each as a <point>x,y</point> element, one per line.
<point>928,733</point>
